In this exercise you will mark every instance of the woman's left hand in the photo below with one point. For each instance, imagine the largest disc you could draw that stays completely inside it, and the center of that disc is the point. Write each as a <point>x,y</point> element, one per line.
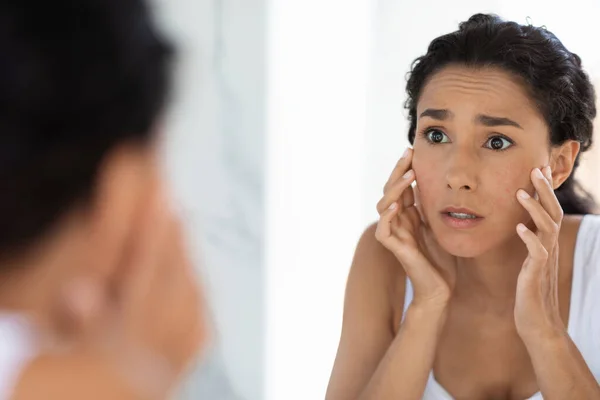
<point>537,313</point>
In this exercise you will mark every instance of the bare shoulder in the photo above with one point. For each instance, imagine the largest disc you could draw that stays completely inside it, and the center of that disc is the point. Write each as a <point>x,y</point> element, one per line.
<point>378,271</point>
<point>374,296</point>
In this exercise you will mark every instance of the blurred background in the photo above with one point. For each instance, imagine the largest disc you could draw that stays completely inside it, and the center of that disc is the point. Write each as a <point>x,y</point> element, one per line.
<point>287,120</point>
<point>215,159</point>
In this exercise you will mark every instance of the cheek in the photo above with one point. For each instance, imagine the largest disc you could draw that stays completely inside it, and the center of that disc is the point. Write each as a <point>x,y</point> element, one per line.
<point>429,180</point>
<point>501,182</point>
<point>504,182</point>
<point>507,182</point>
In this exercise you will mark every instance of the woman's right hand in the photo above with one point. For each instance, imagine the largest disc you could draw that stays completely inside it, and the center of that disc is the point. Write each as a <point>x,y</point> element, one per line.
<point>403,231</point>
<point>151,327</point>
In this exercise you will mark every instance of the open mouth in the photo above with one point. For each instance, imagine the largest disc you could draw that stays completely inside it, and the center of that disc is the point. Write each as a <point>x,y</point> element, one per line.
<point>462,215</point>
<point>461,218</point>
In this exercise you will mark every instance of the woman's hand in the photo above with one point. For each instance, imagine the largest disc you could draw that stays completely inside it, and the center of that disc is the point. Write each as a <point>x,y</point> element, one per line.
<point>402,230</point>
<point>151,327</point>
<point>536,307</point>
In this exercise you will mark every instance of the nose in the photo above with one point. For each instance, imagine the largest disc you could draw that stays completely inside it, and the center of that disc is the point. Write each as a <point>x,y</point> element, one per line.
<point>462,172</point>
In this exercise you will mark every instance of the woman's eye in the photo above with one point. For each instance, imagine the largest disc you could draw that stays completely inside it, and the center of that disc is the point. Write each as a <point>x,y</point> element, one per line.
<point>498,143</point>
<point>436,136</point>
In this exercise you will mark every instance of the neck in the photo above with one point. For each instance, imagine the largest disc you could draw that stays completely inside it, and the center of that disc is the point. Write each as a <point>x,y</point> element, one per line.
<point>488,282</point>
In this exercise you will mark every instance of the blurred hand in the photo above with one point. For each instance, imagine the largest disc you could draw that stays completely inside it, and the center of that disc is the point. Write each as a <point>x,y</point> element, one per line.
<point>151,324</point>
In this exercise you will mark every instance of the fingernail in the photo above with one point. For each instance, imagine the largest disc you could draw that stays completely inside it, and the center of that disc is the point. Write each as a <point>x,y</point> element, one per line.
<point>521,228</point>
<point>408,174</point>
<point>405,153</point>
<point>523,194</point>
<point>393,206</point>
<point>538,173</point>
<point>548,172</point>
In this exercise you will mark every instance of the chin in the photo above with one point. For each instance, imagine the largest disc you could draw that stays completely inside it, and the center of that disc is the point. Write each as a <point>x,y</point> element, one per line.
<point>465,244</point>
<point>463,247</point>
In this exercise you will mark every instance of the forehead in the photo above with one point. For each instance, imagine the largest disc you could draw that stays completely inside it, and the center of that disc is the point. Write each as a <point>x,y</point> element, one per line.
<point>487,90</point>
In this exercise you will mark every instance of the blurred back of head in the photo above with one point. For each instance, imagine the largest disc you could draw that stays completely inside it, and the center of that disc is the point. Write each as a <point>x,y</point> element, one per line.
<point>78,79</point>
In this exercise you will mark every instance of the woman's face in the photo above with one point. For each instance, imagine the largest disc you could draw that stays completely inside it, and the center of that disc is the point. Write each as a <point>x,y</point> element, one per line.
<point>478,138</point>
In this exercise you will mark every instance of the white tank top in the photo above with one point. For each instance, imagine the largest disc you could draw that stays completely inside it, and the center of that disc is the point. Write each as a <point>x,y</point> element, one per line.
<point>18,346</point>
<point>584,311</point>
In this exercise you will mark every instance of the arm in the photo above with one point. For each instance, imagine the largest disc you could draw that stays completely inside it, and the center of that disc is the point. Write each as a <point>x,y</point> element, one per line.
<point>71,377</point>
<point>90,376</point>
<point>403,372</point>
<point>372,362</point>
<point>367,329</point>
<point>560,369</point>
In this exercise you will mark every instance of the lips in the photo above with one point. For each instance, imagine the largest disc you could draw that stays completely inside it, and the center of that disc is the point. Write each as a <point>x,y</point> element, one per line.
<point>460,210</point>
<point>461,218</point>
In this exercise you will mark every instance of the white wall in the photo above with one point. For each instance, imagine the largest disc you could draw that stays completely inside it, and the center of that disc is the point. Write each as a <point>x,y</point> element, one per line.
<point>317,80</point>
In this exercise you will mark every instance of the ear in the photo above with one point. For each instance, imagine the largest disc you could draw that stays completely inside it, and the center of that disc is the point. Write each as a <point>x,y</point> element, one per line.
<point>562,161</point>
<point>126,179</point>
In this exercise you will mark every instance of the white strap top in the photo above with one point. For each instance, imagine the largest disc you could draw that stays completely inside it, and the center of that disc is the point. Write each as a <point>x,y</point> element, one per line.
<point>17,348</point>
<point>584,311</point>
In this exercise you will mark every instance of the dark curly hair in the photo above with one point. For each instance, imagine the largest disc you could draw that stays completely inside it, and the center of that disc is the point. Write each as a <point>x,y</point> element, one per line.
<point>77,78</point>
<point>553,77</point>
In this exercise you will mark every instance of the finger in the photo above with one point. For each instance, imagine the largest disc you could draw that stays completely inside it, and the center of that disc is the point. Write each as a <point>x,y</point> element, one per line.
<point>172,265</point>
<point>415,264</point>
<point>395,191</point>
<point>547,197</point>
<point>400,169</point>
<point>180,279</point>
<point>395,223</point>
<point>404,247</point>
<point>177,268</point>
<point>392,238</point>
<point>406,230</point>
<point>387,226</point>
<point>538,255</point>
<point>148,249</point>
<point>408,197</point>
<point>547,228</point>
<point>414,217</point>
<point>384,226</point>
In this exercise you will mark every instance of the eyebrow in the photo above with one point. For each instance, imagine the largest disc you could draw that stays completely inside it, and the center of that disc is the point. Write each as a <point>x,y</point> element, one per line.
<point>439,114</point>
<point>486,120</point>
